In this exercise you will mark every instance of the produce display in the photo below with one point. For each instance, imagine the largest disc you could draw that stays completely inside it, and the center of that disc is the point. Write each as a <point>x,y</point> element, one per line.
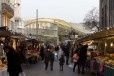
<point>3,64</point>
<point>107,60</point>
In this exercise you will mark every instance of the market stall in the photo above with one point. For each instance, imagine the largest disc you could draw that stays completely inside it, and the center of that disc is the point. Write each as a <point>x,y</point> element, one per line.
<point>4,33</point>
<point>33,52</point>
<point>102,54</point>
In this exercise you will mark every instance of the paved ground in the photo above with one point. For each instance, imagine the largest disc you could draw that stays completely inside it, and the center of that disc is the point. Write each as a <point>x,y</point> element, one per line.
<point>38,70</point>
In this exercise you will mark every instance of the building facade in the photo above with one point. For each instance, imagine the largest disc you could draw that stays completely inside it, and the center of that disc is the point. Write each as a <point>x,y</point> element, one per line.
<point>17,15</point>
<point>106,13</point>
<point>6,12</point>
<point>10,14</point>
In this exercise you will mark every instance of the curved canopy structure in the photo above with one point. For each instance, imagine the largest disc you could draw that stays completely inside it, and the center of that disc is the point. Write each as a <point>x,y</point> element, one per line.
<point>50,27</point>
<point>58,22</point>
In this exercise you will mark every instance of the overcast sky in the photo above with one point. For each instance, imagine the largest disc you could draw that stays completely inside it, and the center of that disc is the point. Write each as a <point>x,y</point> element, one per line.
<point>69,10</point>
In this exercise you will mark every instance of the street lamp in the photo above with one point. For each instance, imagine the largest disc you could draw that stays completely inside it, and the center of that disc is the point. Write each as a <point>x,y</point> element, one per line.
<point>37,25</point>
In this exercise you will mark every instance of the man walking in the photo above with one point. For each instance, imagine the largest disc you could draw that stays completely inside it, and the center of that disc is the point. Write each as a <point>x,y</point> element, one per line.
<point>82,58</point>
<point>46,58</point>
<point>49,58</point>
<point>67,51</point>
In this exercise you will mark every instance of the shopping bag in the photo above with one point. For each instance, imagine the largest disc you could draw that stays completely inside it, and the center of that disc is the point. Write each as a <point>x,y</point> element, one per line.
<point>70,66</point>
<point>22,74</point>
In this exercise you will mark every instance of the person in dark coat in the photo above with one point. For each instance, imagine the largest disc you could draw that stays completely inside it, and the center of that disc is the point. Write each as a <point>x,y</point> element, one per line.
<point>67,52</point>
<point>21,54</point>
<point>57,49</point>
<point>61,62</point>
<point>13,61</point>
<point>46,58</point>
<point>82,58</point>
<point>42,52</point>
<point>51,59</point>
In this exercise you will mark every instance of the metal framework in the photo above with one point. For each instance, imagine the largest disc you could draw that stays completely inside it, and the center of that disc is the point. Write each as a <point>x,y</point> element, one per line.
<point>58,22</point>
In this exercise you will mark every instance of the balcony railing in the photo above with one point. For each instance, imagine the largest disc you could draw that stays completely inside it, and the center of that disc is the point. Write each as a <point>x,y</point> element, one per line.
<point>7,7</point>
<point>9,3</point>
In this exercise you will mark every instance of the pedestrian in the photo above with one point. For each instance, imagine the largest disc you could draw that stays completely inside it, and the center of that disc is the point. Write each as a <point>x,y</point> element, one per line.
<point>13,60</point>
<point>75,60</point>
<point>60,52</point>
<point>56,50</point>
<point>42,51</point>
<point>46,58</point>
<point>67,52</point>
<point>51,59</point>
<point>21,53</point>
<point>61,62</point>
<point>82,58</point>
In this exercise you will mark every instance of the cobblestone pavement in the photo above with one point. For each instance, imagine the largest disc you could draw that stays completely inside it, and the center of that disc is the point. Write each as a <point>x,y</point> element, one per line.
<point>38,70</point>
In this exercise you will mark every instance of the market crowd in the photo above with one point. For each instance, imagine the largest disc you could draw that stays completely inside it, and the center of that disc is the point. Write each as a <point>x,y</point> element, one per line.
<point>65,53</point>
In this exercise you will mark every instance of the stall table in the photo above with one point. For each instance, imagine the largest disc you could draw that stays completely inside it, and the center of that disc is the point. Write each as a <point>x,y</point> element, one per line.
<point>108,71</point>
<point>3,71</point>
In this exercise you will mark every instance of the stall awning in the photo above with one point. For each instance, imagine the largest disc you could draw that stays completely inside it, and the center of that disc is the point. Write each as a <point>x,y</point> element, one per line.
<point>5,33</point>
<point>98,35</point>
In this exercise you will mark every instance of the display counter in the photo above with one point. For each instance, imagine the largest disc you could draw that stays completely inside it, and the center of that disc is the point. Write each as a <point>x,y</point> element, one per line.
<point>3,66</point>
<point>108,64</point>
<point>108,71</point>
<point>3,71</point>
<point>105,60</point>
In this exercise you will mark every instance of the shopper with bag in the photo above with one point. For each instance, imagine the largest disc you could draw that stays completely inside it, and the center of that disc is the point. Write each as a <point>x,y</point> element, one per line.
<point>75,59</point>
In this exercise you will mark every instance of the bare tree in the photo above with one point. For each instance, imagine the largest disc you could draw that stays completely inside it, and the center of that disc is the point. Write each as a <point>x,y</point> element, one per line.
<point>91,19</point>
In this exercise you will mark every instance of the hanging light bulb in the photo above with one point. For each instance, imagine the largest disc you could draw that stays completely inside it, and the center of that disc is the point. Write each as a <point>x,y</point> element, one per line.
<point>105,44</point>
<point>111,44</point>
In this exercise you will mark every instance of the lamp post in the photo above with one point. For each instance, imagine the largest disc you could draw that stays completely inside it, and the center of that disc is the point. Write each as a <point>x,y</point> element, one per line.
<point>37,25</point>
